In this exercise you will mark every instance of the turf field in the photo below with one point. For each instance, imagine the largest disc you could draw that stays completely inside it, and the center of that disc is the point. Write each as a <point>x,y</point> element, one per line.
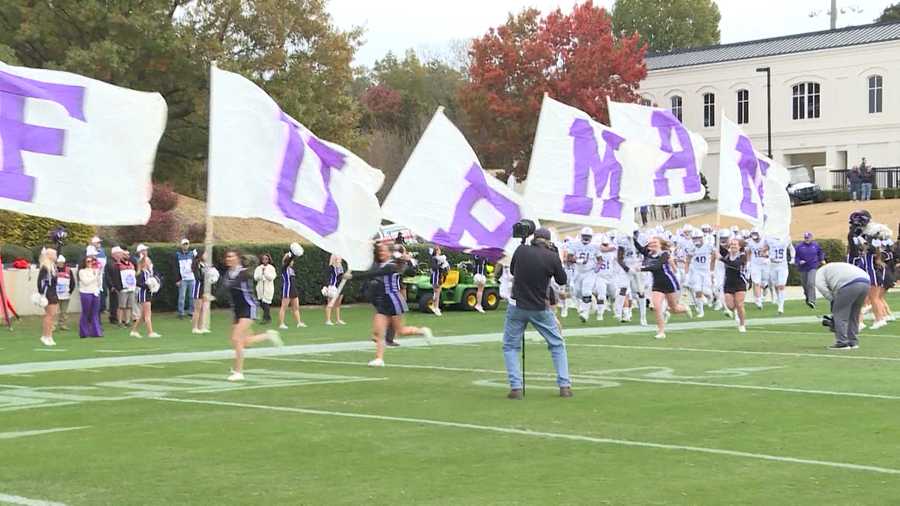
<point>707,416</point>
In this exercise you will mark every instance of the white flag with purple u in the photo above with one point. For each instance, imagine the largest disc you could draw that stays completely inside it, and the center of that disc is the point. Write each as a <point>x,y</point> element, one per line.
<point>583,172</point>
<point>751,186</point>
<point>445,196</point>
<point>76,149</point>
<point>264,164</point>
<point>676,178</point>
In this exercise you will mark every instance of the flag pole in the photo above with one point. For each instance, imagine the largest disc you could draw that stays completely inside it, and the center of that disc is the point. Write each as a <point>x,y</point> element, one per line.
<point>208,243</point>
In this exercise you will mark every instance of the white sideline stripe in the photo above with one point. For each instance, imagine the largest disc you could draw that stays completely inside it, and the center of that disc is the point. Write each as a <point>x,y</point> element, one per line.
<point>27,433</point>
<point>835,354</point>
<point>50,350</point>
<point>24,501</point>
<point>589,375</point>
<point>863,334</point>
<point>306,349</point>
<point>545,435</point>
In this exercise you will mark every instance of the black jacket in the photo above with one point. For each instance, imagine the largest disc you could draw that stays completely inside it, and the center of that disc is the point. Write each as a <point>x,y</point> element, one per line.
<point>532,267</point>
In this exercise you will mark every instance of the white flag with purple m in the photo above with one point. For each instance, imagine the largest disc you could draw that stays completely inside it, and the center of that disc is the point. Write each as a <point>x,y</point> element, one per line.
<point>76,149</point>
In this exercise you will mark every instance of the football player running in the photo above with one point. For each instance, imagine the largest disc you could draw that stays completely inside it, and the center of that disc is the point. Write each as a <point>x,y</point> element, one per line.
<point>779,251</point>
<point>699,278</point>
<point>605,282</point>
<point>759,269</point>
<point>585,253</point>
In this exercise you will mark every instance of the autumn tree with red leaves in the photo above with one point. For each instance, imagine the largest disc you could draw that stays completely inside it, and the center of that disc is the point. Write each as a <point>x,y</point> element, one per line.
<point>575,58</point>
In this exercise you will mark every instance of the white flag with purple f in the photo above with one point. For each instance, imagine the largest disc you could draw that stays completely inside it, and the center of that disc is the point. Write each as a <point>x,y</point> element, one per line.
<point>264,164</point>
<point>76,149</point>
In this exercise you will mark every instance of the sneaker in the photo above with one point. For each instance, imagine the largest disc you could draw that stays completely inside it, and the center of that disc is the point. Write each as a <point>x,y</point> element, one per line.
<point>376,363</point>
<point>564,312</point>
<point>274,337</point>
<point>583,317</point>
<point>600,316</point>
<point>811,304</point>
<point>392,344</point>
<point>136,334</point>
<point>154,335</point>
<point>206,331</point>
<point>329,323</point>
<point>196,331</point>
<point>862,326</point>
<point>437,311</point>
<point>841,346</point>
<point>236,376</point>
<point>283,327</point>
<point>759,306</point>
<point>341,322</point>
<point>565,391</point>
<point>661,335</point>
<point>727,313</point>
<point>515,394</point>
<point>644,322</point>
<point>47,341</point>
<point>427,334</point>
<point>742,329</point>
<point>780,311</point>
<point>52,341</point>
<point>479,308</point>
<point>301,325</point>
<point>854,346</point>
<point>700,313</point>
<point>877,325</point>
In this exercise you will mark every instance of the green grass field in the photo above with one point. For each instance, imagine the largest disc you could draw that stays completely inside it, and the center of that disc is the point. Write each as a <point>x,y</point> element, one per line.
<point>707,416</point>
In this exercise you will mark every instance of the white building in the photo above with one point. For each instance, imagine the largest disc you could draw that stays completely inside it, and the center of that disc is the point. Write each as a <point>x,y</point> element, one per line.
<point>835,96</point>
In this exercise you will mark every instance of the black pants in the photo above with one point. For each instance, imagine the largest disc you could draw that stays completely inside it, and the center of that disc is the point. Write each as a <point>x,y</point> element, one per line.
<point>267,316</point>
<point>113,307</point>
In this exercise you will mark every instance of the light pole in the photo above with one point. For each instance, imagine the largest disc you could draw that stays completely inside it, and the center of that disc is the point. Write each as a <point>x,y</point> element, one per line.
<point>768,71</point>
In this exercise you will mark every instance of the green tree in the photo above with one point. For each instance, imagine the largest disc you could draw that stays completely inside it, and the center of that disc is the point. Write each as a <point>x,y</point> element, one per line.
<point>289,47</point>
<point>665,25</point>
<point>891,13</point>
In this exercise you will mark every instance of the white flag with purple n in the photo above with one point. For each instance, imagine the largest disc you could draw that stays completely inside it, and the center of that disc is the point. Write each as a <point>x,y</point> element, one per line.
<point>76,149</point>
<point>265,164</point>
<point>445,196</point>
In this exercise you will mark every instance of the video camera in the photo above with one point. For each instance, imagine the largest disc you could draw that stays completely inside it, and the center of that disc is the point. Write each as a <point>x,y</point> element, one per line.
<point>524,229</point>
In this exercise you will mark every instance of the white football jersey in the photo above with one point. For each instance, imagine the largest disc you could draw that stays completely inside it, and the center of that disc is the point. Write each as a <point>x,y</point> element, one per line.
<point>701,256</point>
<point>585,256</point>
<point>778,249</point>
<point>632,257</point>
<point>606,263</point>
<point>756,250</point>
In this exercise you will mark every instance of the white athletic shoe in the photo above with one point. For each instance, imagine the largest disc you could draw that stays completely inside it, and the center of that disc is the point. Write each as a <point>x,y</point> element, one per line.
<point>867,309</point>
<point>690,312</point>
<point>780,311</point>
<point>892,317</point>
<point>376,363</point>
<point>700,312</point>
<point>428,335</point>
<point>283,327</point>
<point>661,335</point>
<point>135,334</point>
<point>718,306</point>
<point>206,331</point>
<point>341,322</point>
<point>437,311</point>
<point>564,312</point>
<point>479,308</point>
<point>862,326</point>
<point>877,325</point>
<point>759,305</point>
<point>154,335</point>
<point>329,323</point>
<point>274,337</point>
<point>301,325</point>
<point>644,322</point>
<point>236,376</point>
<point>196,331</point>
<point>742,329</point>
<point>47,341</point>
<point>600,315</point>
<point>583,317</point>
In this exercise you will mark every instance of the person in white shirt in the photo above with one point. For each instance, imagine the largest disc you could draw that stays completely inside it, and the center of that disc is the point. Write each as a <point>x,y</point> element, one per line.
<point>846,287</point>
<point>759,266</point>
<point>90,279</point>
<point>779,251</point>
<point>265,275</point>
<point>604,282</point>
<point>585,262</point>
<point>185,280</point>
<point>700,259</point>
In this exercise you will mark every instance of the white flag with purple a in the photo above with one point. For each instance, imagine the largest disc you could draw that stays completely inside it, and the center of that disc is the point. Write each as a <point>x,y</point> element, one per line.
<point>751,186</point>
<point>583,172</point>
<point>76,149</point>
<point>677,178</point>
<point>265,164</point>
<point>445,196</point>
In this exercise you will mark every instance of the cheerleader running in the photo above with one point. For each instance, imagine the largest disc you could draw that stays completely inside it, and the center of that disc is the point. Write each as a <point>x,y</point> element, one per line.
<point>332,298</point>
<point>385,296</point>
<point>734,259</point>
<point>290,293</point>
<point>660,265</point>
<point>240,285</point>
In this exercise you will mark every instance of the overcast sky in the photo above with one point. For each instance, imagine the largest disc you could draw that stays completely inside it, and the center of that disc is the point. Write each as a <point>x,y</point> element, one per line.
<point>431,25</point>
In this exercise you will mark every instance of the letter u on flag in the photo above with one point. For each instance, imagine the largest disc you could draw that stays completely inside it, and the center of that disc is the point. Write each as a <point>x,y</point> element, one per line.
<point>677,178</point>
<point>76,149</point>
<point>583,172</point>
<point>443,195</point>
<point>264,164</point>
<point>751,186</point>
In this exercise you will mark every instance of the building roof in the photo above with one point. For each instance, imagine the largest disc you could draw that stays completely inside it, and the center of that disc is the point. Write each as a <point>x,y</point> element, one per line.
<point>828,39</point>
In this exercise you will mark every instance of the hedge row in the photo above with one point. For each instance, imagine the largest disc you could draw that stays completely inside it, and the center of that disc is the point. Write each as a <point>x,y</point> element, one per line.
<point>31,231</point>
<point>877,194</point>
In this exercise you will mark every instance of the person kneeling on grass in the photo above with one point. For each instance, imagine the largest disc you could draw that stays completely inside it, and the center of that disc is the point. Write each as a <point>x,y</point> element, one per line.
<point>239,283</point>
<point>385,296</point>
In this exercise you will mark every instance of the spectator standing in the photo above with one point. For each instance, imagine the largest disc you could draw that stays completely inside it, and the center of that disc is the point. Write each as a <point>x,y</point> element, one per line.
<point>809,257</point>
<point>853,181</point>
<point>90,278</point>
<point>65,285</point>
<point>125,279</point>
<point>97,244</point>
<point>185,281</point>
<point>112,282</point>
<point>644,215</point>
<point>265,275</point>
<point>866,179</point>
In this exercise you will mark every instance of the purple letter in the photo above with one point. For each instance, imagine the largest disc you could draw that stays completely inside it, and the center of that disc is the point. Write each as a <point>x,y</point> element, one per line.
<point>668,125</point>
<point>322,222</point>
<point>17,136</point>
<point>606,170</point>
<point>463,221</point>
<point>753,172</point>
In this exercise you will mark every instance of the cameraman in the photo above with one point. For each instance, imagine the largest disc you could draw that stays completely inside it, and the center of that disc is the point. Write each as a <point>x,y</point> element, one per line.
<point>532,267</point>
<point>846,287</point>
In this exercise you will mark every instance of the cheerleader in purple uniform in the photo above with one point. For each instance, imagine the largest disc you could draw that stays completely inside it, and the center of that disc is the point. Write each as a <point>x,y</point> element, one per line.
<point>335,273</point>
<point>290,293</point>
<point>146,281</point>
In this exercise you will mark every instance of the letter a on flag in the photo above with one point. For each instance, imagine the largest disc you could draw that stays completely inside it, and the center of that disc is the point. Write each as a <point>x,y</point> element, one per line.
<point>265,164</point>
<point>583,172</point>
<point>443,195</point>
<point>76,149</point>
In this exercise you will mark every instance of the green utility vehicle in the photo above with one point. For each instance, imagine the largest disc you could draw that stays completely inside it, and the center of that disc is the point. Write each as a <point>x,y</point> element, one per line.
<point>459,290</point>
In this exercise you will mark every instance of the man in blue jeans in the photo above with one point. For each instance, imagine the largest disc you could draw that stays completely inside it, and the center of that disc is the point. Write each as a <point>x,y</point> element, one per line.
<point>184,257</point>
<point>866,180</point>
<point>532,267</point>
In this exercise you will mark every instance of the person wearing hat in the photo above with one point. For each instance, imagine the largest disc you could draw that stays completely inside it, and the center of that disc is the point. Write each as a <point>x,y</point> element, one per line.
<point>808,256</point>
<point>101,259</point>
<point>90,278</point>
<point>185,280</point>
<point>65,285</point>
<point>532,267</point>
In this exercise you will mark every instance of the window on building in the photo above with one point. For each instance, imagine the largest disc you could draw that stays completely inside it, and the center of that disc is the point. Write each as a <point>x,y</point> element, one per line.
<point>806,100</point>
<point>743,107</point>
<point>875,93</point>
<point>709,109</point>
<point>676,107</point>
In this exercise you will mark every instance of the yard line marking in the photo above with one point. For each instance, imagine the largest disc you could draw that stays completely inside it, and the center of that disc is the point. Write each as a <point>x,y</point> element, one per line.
<point>24,501</point>
<point>367,345</point>
<point>152,366</point>
<point>592,376</point>
<point>27,433</point>
<point>862,334</point>
<point>544,435</point>
<point>836,354</point>
<point>52,350</point>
